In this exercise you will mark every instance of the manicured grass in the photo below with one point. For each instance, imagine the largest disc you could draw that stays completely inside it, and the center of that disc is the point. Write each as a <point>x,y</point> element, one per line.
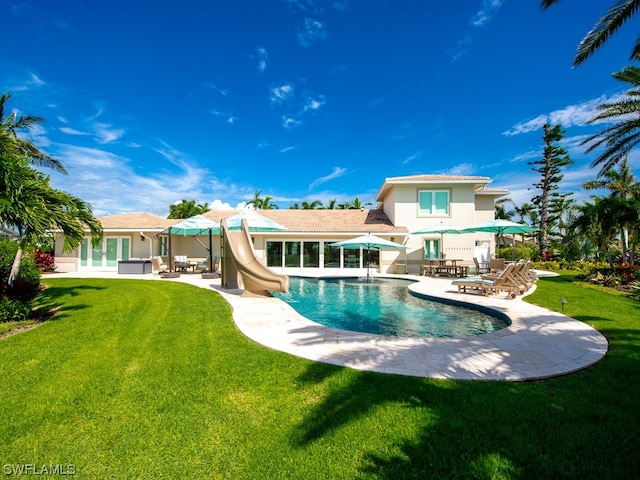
<point>142,379</point>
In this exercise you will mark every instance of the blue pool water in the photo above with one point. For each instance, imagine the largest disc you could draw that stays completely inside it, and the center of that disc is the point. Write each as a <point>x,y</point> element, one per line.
<point>384,307</point>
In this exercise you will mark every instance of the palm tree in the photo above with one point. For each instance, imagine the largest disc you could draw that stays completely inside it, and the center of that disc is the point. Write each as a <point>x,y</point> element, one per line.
<point>500,209</point>
<point>315,205</point>
<point>187,208</point>
<point>263,203</point>
<point>622,11</point>
<point>621,137</point>
<point>29,204</point>
<point>594,221</point>
<point>355,204</point>
<point>12,124</point>
<point>624,188</point>
<point>331,204</point>
<point>621,183</point>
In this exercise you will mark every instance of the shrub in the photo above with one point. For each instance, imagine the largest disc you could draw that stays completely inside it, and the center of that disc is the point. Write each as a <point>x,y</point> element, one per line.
<point>628,273</point>
<point>521,252</point>
<point>15,300</point>
<point>14,310</point>
<point>44,261</point>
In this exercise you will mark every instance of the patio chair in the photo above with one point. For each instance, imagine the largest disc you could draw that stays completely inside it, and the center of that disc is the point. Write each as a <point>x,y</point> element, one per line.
<point>180,263</point>
<point>202,265</point>
<point>158,266</point>
<point>516,279</point>
<point>491,283</point>
<point>502,281</point>
<point>496,265</point>
<point>481,267</point>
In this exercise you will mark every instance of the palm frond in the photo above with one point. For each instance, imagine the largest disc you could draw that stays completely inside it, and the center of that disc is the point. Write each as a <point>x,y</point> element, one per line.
<point>605,27</point>
<point>544,4</point>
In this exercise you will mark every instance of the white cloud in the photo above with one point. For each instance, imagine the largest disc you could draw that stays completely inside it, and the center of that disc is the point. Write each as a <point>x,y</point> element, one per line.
<point>486,13</point>
<point>287,149</point>
<point>569,116</point>
<point>72,131</point>
<point>106,134</point>
<point>311,32</point>
<point>228,118</point>
<point>413,157</point>
<point>480,19</point>
<point>110,184</point>
<point>289,122</point>
<point>336,173</point>
<point>263,58</point>
<point>460,169</point>
<point>32,81</point>
<point>282,93</point>
<point>313,104</point>
<point>219,205</point>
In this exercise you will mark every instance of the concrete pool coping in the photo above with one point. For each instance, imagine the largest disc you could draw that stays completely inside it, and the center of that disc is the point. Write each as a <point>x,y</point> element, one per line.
<point>538,344</point>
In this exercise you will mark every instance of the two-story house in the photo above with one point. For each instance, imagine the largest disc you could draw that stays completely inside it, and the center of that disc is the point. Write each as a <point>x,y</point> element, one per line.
<point>405,204</point>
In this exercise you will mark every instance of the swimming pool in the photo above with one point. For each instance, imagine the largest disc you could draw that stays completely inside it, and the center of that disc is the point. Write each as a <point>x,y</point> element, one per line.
<point>384,306</point>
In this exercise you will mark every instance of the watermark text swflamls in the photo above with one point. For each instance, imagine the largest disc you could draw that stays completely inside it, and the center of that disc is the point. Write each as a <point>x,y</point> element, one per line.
<point>19,469</point>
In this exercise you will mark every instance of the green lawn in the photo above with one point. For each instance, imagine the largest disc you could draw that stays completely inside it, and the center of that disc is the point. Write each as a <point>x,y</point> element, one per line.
<point>142,379</point>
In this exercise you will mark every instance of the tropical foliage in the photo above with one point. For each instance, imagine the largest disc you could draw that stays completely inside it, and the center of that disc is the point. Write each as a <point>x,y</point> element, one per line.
<point>621,137</point>
<point>187,208</point>
<point>613,19</point>
<point>263,203</point>
<point>28,202</point>
<point>554,157</point>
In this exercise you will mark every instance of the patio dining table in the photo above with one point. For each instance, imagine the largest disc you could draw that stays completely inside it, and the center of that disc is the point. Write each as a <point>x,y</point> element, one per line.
<point>444,266</point>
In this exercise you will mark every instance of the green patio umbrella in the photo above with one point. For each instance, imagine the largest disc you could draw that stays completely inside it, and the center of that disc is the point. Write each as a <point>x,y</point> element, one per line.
<point>196,225</point>
<point>368,242</point>
<point>440,228</point>
<point>256,222</point>
<point>500,227</point>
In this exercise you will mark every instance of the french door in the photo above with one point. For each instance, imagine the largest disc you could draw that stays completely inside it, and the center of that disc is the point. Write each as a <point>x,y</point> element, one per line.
<point>106,254</point>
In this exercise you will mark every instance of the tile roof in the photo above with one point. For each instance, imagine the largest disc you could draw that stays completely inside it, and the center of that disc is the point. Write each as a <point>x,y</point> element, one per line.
<point>436,178</point>
<point>479,182</point>
<point>492,191</point>
<point>133,221</point>
<point>318,221</point>
<point>303,221</point>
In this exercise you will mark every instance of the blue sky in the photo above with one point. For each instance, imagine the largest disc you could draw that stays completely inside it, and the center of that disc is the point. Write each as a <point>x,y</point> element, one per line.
<point>147,102</point>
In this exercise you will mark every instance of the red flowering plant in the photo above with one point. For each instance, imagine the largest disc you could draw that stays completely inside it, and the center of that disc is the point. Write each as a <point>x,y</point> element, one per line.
<point>628,273</point>
<point>44,261</point>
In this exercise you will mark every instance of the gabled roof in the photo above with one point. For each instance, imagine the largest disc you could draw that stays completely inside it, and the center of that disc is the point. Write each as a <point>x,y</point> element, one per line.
<point>477,181</point>
<point>298,221</point>
<point>136,221</point>
<point>494,192</point>
<point>319,221</point>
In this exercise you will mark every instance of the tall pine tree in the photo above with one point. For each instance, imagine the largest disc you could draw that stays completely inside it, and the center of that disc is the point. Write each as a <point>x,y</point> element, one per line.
<point>549,167</point>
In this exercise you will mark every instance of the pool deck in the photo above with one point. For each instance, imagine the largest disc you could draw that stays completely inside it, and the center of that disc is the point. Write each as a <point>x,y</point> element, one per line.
<point>538,344</point>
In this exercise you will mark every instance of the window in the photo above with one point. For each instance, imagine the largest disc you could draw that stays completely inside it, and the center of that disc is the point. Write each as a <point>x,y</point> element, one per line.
<point>292,254</point>
<point>433,202</point>
<point>331,255</point>
<point>311,254</point>
<point>163,248</point>
<point>432,249</point>
<point>274,254</point>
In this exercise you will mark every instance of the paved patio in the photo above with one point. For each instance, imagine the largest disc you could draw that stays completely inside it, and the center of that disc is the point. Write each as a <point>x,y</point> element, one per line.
<point>538,344</point>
